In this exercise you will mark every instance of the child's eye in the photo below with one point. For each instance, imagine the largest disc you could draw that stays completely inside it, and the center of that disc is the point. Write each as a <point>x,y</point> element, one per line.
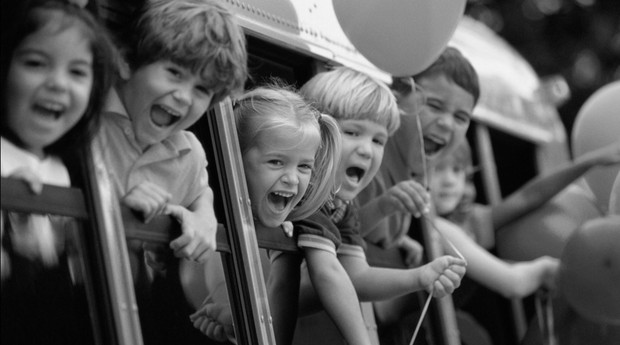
<point>462,118</point>
<point>435,106</point>
<point>275,162</point>
<point>203,89</point>
<point>306,168</point>
<point>175,72</point>
<point>33,61</point>
<point>349,132</point>
<point>80,71</point>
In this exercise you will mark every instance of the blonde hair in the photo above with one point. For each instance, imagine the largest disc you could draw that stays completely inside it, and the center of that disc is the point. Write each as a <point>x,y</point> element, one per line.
<point>201,35</point>
<point>347,94</point>
<point>279,108</point>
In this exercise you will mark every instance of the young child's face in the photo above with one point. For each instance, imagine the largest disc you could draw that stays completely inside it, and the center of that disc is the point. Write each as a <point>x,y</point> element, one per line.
<point>448,182</point>
<point>446,115</point>
<point>278,172</point>
<point>363,143</point>
<point>48,85</point>
<point>164,98</point>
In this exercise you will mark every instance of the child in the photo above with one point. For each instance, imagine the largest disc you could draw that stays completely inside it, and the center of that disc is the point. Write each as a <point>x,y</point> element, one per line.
<point>289,157</point>
<point>367,114</point>
<point>451,91</point>
<point>453,192</point>
<point>183,57</point>
<point>56,69</point>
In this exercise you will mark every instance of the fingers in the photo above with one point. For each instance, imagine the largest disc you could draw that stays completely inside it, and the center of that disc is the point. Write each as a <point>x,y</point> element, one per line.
<point>147,198</point>
<point>192,248</point>
<point>210,328</point>
<point>28,176</point>
<point>197,240</point>
<point>411,197</point>
<point>288,228</point>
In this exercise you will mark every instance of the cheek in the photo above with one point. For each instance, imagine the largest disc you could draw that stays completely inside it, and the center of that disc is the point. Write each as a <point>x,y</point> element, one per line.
<point>304,182</point>
<point>377,158</point>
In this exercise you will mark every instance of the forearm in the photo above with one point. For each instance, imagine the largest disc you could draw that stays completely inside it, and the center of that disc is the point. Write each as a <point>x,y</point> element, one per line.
<point>537,192</point>
<point>482,266</point>
<point>203,207</point>
<point>377,283</point>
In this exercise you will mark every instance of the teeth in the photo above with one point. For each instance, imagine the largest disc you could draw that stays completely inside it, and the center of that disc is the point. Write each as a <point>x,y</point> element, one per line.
<point>170,111</point>
<point>51,106</point>
<point>284,194</point>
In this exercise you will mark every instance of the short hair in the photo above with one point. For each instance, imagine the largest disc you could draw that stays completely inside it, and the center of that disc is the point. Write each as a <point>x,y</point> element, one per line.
<point>347,94</point>
<point>35,18</point>
<point>276,107</point>
<point>456,67</point>
<point>461,155</point>
<point>202,35</point>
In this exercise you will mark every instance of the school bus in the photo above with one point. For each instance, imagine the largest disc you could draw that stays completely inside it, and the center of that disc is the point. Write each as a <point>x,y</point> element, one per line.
<point>293,40</point>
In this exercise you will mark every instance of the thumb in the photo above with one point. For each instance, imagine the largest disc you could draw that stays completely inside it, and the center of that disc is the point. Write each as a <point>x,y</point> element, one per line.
<point>175,211</point>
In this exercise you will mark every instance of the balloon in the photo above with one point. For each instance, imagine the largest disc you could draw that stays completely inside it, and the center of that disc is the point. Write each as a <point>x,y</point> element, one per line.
<point>546,230</point>
<point>598,124</point>
<point>589,276</point>
<point>614,198</point>
<point>401,37</point>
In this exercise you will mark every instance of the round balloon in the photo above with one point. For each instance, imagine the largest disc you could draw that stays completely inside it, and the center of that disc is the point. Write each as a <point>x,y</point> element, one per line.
<point>614,198</point>
<point>598,124</point>
<point>402,37</point>
<point>589,276</point>
<point>546,230</point>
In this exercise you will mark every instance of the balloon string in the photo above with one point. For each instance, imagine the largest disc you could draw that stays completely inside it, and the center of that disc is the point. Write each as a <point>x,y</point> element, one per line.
<point>424,310</point>
<point>452,246</point>
<point>544,310</point>
<point>428,299</point>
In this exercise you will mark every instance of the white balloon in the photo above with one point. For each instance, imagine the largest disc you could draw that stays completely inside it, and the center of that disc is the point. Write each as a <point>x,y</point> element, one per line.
<point>402,37</point>
<point>597,125</point>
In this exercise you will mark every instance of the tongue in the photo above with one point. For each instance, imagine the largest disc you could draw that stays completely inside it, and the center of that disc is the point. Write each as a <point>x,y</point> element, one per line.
<point>278,202</point>
<point>161,117</point>
<point>352,174</point>
<point>430,146</point>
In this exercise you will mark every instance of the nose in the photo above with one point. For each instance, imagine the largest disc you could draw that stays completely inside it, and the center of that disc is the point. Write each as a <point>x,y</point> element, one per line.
<point>183,94</point>
<point>290,177</point>
<point>57,80</point>
<point>364,149</point>
<point>445,120</point>
<point>449,178</point>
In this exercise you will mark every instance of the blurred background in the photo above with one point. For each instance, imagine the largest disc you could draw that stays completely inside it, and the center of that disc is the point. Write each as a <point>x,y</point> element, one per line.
<point>576,39</point>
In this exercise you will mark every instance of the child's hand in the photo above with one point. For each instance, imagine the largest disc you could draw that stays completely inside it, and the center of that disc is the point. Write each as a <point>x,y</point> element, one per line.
<point>215,321</point>
<point>412,251</point>
<point>148,199</point>
<point>443,275</point>
<point>550,272</point>
<point>406,196</point>
<point>27,175</point>
<point>198,236</point>
<point>288,227</point>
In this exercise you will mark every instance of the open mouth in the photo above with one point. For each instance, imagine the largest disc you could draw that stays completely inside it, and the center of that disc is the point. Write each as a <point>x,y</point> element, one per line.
<point>49,109</point>
<point>280,199</point>
<point>163,116</point>
<point>355,174</point>
<point>431,146</point>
